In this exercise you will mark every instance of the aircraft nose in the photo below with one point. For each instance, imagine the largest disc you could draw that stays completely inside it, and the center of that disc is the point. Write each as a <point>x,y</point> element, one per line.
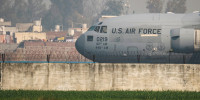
<point>80,44</point>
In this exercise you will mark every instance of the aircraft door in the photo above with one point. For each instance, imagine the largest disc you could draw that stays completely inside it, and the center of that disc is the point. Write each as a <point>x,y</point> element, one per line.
<point>182,40</point>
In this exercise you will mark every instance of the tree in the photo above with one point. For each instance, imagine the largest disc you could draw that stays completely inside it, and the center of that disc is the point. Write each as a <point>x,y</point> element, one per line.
<point>92,10</point>
<point>22,10</point>
<point>155,6</point>
<point>52,18</point>
<point>176,6</point>
<point>113,8</point>
<point>4,7</point>
<point>64,12</point>
<point>18,12</point>
<point>36,9</point>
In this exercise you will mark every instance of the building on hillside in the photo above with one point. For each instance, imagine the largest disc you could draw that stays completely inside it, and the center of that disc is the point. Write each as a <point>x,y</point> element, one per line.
<point>29,27</point>
<point>29,31</point>
<point>24,27</point>
<point>83,29</point>
<point>66,36</point>
<point>21,36</point>
<point>37,27</point>
<point>10,31</point>
<point>58,28</point>
<point>6,31</point>
<point>3,23</point>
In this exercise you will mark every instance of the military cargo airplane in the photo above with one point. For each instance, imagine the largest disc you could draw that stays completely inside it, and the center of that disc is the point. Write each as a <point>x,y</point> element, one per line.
<point>145,38</point>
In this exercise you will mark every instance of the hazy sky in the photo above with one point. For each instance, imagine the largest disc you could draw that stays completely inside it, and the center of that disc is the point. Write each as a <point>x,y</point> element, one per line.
<point>139,6</point>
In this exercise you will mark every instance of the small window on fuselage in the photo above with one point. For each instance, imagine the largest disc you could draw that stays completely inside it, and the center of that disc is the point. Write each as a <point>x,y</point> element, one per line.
<point>90,38</point>
<point>103,29</point>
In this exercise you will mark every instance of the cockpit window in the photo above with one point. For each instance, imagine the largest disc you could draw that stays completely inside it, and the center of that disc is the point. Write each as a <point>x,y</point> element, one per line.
<point>91,28</point>
<point>100,23</point>
<point>103,29</point>
<point>97,28</point>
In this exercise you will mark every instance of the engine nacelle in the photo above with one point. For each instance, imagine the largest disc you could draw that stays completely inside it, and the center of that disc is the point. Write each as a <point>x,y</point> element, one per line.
<point>184,40</point>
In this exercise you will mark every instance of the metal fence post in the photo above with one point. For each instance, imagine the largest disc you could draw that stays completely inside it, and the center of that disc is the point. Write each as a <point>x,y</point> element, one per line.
<point>169,57</point>
<point>93,58</point>
<point>170,51</point>
<point>3,57</point>
<point>184,59</point>
<point>48,58</point>
<point>138,58</point>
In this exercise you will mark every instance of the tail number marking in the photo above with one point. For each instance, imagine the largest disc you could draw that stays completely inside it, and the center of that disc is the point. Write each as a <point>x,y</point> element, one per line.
<point>102,43</point>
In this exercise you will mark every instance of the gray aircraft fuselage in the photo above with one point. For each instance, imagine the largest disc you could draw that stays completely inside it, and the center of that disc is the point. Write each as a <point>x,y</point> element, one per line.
<point>151,36</point>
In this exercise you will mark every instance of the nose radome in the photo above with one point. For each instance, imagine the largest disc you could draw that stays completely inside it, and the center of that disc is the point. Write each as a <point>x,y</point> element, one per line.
<point>80,44</point>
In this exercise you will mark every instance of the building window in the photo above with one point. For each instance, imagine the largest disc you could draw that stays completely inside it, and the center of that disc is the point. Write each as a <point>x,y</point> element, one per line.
<point>7,33</point>
<point>89,38</point>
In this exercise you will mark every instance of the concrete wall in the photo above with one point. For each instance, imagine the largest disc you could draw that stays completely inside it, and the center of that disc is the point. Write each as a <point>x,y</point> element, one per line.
<point>100,77</point>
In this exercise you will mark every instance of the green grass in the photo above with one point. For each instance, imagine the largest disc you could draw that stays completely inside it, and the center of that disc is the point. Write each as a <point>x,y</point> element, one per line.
<point>95,95</point>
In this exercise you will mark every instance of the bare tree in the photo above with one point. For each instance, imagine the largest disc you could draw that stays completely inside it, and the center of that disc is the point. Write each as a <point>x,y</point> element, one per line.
<point>22,10</point>
<point>63,12</point>
<point>176,6</point>
<point>155,6</point>
<point>92,9</point>
<point>5,9</point>
<point>35,9</point>
<point>113,8</point>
